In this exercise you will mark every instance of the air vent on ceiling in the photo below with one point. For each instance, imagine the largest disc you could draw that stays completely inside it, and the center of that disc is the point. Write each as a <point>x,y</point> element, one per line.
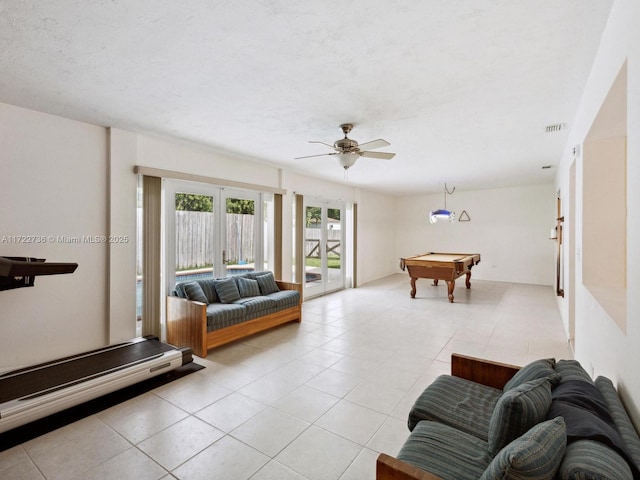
<point>555,127</point>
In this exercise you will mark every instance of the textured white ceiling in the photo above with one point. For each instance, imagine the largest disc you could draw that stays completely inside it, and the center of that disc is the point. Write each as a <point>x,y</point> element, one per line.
<point>461,89</point>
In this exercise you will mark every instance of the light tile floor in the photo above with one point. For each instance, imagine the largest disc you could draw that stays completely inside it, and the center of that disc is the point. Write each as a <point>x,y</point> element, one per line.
<point>316,400</point>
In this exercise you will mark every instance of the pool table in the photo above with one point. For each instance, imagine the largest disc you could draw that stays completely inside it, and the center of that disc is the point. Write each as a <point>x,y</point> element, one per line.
<point>440,266</point>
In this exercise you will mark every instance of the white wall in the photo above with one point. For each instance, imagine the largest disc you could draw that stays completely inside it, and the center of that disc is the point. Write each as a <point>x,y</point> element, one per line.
<point>169,154</point>
<point>122,227</point>
<point>509,228</point>
<point>53,182</point>
<point>376,236</point>
<point>600,344</point>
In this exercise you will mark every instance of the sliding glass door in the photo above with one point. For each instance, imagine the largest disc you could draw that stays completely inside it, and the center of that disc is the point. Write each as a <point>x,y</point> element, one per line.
<point>240,252</point>
<point>195,255</point>
<point>324,247</point>
<point>211,232</point>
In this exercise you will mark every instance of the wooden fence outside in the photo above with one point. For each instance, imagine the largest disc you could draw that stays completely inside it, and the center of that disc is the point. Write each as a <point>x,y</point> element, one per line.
<point>312,242</point>
<point>195,239</point>
<point>195,236</point>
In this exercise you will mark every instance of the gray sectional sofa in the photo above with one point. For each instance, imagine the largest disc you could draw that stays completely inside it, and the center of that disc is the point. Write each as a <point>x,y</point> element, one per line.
<point>547,420</point>
<point>203,314</point>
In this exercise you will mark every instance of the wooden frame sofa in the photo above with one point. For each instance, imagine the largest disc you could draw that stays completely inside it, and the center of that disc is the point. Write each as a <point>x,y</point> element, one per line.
<point>485,372</point>
<point>548,419</point>
<point>187,318</point>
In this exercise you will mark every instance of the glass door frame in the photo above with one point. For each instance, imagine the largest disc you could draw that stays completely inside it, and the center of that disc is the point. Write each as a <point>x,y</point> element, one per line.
<point>171,188</point>
<point>219,194</point>
<point>326,285</point>
<point>258,231</point>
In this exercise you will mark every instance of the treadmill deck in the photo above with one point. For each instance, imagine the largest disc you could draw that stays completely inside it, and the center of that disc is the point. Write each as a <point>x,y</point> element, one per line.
<point>34,392</point>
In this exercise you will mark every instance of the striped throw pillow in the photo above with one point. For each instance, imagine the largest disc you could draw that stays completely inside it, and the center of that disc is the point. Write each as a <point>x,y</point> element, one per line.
<point>194,292</point>
<point>543,368</point>
<point>517,410</point>
<point>267,283</point>
<point>248,287</point>
<point>209,289</point>
<point>536,455</point>
<point>227,290</point>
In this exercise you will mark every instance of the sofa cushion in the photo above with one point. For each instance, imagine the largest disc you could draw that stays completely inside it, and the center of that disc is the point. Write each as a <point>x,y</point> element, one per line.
<point>571,370</point>
<point>621,419</point>
<point>248,287</point>
<point>227,289</point>
<point>445,451</point>
<point>285,298</point>
<point>620,416</point>
<point>459,403</point>
<point>592,460</point>
<point>209,289</point>
<point>220,315</point>
<point>256,304</point>
<point>517,410</point>
<point>193,291</point>
<point>267,283</point>
<point>542,368</point>
<point>536,455</point>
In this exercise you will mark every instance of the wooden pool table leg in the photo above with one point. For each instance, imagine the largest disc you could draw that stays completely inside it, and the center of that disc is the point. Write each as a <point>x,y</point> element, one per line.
<point>435,282</point>
<point>413,287</point>
<point>468,279</point>
<point>451,284</point>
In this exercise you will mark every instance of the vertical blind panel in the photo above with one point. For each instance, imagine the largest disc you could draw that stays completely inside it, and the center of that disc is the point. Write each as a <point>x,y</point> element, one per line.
<point>151,200</point>
<point>277,229</point>
<point>299,237</point>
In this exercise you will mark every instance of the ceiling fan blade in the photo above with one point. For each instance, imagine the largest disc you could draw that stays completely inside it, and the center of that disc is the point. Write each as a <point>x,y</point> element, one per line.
<point>309,156</point>
<point>315,141</point>
<point>373,144</point>
<point>378,155</point>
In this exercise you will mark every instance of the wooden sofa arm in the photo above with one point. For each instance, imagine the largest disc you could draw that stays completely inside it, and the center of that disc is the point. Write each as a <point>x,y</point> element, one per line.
<point>487,372</point>
<point>290,286</point>
<point>390,468</point>
<point>187,324</point>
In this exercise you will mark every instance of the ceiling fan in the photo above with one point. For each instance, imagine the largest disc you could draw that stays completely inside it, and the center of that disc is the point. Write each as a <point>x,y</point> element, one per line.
<point>348,151</point>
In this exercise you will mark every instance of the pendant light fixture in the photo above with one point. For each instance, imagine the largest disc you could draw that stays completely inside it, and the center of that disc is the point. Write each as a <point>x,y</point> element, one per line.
<point>443,213</point>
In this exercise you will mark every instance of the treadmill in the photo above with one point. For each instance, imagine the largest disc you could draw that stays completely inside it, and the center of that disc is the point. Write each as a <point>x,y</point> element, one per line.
<point>34,392</point>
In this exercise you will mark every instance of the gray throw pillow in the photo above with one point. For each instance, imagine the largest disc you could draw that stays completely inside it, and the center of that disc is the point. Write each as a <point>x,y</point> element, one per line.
<point>193,291</point>
<point>589,459</point>
<point>536,455</point>
<point>267,283</point>
<point>543,368</point>
<point>209,289</point>
<point>227,290</point>
<point>571,370</point>
<point>248,287</point>
<point>516,411</point>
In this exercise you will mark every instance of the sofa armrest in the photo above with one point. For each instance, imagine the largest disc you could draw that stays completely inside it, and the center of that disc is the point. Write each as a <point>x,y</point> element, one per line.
<point>487,372</point>
<point>390,468</point>
<point>187,324</point>
<point>290,286</point>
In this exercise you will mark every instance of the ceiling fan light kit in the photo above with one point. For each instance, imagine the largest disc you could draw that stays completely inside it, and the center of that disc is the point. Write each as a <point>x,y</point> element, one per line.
<point>347,159</point>
<point>348,150</point>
